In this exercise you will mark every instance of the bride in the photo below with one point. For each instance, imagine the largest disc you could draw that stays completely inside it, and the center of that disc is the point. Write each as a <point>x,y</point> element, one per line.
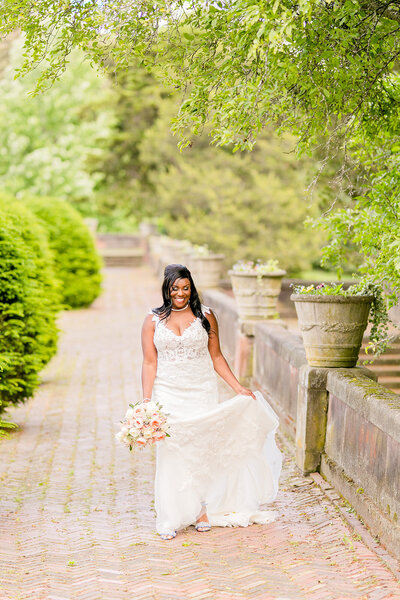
<point>220,461</point>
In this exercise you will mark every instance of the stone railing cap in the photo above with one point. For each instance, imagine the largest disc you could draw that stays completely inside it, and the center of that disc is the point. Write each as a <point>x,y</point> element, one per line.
<point>369,398</point>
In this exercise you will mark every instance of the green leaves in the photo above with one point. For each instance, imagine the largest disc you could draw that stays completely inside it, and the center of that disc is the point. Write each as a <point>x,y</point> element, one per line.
<point>42,263</point>
<point>6,426</point>
<point>77,262</point>
<point>244,205</point>
<point>29,302</point>
<point>52,142</point>
<point>344,49</point>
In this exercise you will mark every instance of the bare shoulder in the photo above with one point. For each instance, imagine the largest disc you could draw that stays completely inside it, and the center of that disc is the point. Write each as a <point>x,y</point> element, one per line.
<point>209,315</point>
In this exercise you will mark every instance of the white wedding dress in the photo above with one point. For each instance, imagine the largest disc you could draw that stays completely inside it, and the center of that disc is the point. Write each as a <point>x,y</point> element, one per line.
<point>221,457</point>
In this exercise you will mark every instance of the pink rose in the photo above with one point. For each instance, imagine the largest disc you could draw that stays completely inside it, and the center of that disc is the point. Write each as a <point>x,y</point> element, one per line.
<point>139,422</point>
<point>141,441</point>
<point>155,422</point>
<point>158,436</point>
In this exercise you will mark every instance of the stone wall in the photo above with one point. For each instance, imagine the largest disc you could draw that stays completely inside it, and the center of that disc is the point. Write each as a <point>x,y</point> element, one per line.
<point>362,450</point>
<point>278,356</point>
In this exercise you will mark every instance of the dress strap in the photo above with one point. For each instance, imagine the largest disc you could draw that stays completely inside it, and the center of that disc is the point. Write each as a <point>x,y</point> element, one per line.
<point>155,318</point>
<point>206,309</point>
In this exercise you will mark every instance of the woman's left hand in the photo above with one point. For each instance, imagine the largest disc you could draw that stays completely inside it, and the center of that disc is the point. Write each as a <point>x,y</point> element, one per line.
<point>245,392</point>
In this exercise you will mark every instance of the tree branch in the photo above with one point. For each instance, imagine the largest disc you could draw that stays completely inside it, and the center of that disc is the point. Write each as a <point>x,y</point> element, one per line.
<point>383,8</point>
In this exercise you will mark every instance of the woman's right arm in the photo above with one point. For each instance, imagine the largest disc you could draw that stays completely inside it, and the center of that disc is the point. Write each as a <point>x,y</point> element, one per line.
<point>149,366</point>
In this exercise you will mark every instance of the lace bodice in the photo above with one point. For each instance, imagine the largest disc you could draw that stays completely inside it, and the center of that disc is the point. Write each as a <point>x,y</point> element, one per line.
<point>192,344</point>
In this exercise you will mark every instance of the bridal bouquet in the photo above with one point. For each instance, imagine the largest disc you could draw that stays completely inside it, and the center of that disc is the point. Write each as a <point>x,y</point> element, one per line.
<point>143,425</point>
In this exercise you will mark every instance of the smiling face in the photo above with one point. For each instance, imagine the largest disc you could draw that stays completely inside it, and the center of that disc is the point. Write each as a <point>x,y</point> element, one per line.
<point>180,293</point>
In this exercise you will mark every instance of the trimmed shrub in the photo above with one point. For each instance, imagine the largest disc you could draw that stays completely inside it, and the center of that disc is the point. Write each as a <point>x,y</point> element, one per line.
<point>77,262</point>
<point>29,301</point>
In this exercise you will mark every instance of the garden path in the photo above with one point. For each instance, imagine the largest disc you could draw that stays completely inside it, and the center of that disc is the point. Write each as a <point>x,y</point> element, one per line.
<point>77,516</point>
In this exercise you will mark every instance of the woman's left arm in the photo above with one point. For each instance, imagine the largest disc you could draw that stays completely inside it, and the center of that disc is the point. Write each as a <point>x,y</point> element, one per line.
<point>219,362</point>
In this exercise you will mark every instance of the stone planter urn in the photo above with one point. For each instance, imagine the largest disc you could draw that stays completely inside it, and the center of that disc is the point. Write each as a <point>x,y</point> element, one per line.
<point>257,295</point>
<point>332,327</point>
<point>206,270</point>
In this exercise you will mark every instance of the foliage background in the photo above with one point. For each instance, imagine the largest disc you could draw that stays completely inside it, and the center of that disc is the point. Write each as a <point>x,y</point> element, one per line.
<point>109,150</point>
<point>327,72</point>
<point>76,261</point>
<point>29,302</point>
<point>50,144</point>
<point>246,205</point>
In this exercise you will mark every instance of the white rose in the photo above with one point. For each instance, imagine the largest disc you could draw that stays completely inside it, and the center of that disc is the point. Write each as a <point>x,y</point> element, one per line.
<point>150,407</point>
<point>129,413</point>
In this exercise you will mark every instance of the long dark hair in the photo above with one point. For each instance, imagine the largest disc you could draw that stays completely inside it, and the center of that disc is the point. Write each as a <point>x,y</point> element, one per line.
<point>171,274</point>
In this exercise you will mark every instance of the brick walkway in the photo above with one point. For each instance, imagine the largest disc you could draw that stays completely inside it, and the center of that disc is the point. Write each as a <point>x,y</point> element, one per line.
<point>77,517</point>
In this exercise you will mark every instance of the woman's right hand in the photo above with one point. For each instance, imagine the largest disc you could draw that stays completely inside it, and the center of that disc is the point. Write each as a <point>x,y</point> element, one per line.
<point>243,391</point>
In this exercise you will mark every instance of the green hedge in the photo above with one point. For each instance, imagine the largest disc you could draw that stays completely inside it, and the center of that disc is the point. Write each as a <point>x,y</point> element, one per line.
<point>77,262</point>
<point>29,301</point>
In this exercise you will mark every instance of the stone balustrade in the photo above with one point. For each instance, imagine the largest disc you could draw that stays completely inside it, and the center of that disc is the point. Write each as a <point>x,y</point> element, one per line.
<point>342,423</point>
